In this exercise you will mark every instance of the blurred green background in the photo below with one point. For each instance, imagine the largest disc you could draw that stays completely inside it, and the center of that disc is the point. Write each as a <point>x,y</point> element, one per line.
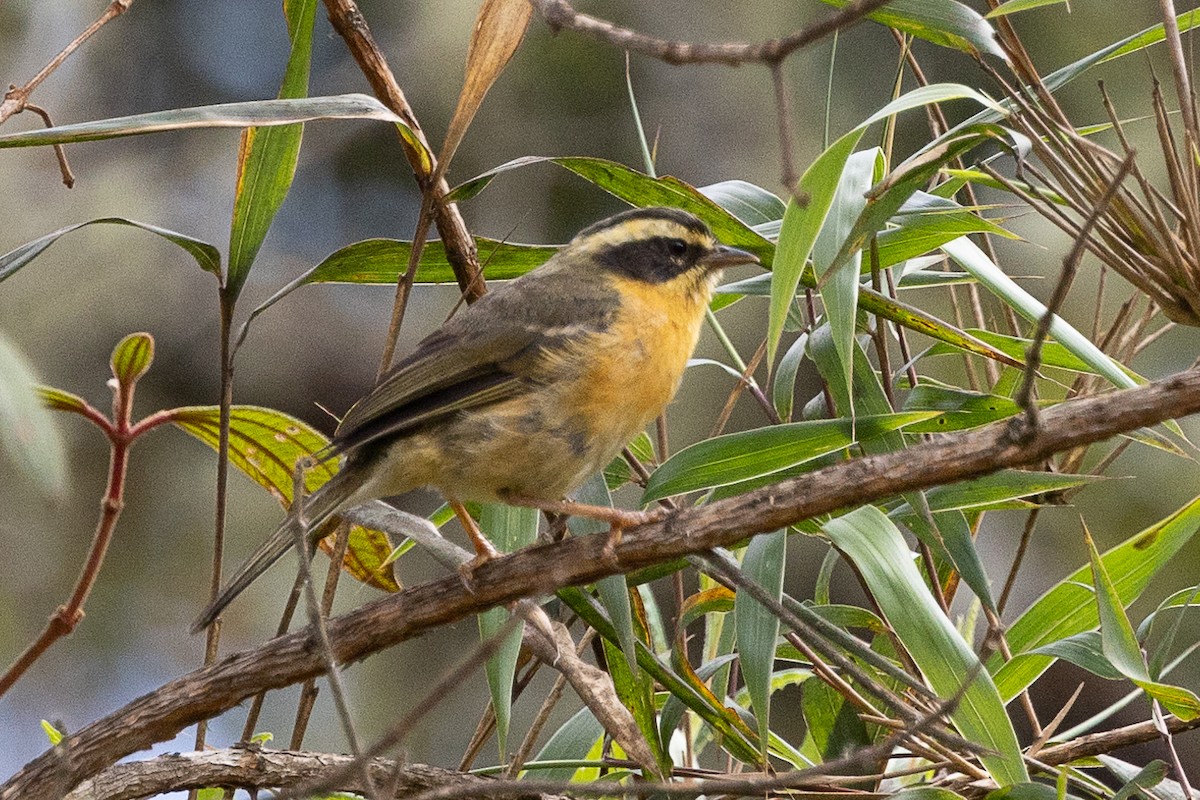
<point>562,95</point>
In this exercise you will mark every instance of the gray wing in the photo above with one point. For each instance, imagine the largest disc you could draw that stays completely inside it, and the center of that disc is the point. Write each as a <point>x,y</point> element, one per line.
<point>493,350</point>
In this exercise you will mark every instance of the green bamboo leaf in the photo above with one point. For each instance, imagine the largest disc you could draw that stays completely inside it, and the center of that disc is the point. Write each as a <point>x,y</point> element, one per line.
<point>207,256</point>
<point>637,189</point>
<point>735,457</point>
<point>943,22</point>
<point>509,528</point>
<point>265,444</point>
<point>960,409</point>
<point>1054,354</point>
<point>1149,781</point>
<point>995,489</point>
<point>573,741</point>
<point>1084,650</point>
<point>1188,598</point>
<point>949,536</point>
<point>802,223</point>
<point>777,745</point>
<point>255,113</point>
<point>1121,648</point>
<point>971,258</point>
<point>613,590</point>
<point>736,737</point>
<point>751,204</point>
<point>635,689</point>
<point>839,283</point>
<point>924,223</point>
<point>618,472</point>
<point>758,627</point>
<point>917,320</point>
<point>1014,6</point>
<point>832,727</point>
<point>132,357</point>
<point>28,431</point>
<point>384,260</point>
<point>1127,46</point>
<point>783,382</point>
<point>891,194</point>
<point>267,156</point>
<point>882,557</point>
<point>1070,608</point>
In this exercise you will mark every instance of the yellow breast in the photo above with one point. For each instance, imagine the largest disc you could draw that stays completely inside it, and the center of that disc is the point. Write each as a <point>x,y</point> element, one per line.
<point>635,367</point>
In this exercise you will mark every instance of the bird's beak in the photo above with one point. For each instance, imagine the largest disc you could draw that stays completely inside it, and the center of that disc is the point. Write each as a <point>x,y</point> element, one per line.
<point>724,256</point>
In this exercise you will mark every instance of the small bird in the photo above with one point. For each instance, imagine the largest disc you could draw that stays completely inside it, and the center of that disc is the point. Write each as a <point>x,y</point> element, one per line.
<point>529,391</point>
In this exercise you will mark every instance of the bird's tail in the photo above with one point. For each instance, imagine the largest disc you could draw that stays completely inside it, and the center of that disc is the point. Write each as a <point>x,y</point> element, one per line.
<point>318,507</point>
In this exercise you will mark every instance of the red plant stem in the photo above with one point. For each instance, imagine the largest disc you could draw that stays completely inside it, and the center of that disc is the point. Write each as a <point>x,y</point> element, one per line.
<point>64,619</point>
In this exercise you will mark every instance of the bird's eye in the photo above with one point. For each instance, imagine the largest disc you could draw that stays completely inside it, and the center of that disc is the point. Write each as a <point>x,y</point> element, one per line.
<point>677,247</point>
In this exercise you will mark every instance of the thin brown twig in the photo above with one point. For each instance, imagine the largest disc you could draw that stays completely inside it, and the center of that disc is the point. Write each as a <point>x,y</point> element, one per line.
<point>350,24</point>
<point>60,152</point>
<point>16,99</point>
<point>1033,358</point>
<point>789,176</point>
<point>559,15</point>
<point>64,619</point>
<point>308,692</point>
<point>316,621</point>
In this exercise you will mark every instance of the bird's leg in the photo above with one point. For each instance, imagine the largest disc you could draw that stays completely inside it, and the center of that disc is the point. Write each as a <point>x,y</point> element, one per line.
<point>484,550</point>
<point>618,519</point>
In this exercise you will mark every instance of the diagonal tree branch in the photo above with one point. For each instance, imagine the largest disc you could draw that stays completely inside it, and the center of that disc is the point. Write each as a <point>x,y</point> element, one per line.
<point>538,570</point>
<point>253,766</point>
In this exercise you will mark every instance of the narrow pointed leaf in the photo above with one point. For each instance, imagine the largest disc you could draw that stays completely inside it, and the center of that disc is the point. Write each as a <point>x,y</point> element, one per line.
<point>751,204</point>
<point>499,28</point>
<point>637,189</point>
<point>971,258</point>
<point>883,559</point>
<point>267,156</point>
<point>783,382</point>
<point>1070,607</point>
<point>1014,6</point>
<point>758,627</point>
<point>509,528</point>
<point>1121,647</point>
<point>741,456</point>
<point>206,255</point>
<point>839,283</point>
<point>801,226</point>
<point>613,590</point>
<point>946,23</point>
<point>571,742</point>
<point>254,113</point>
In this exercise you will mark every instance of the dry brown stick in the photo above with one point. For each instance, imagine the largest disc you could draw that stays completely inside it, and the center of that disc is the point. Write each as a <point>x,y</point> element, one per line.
<point>1094,744</point>
<point>16,99</point>
<point>1033,359</point>
<point>541,569</point>
<point>559,15</point>
<point>348,21</point>
<point>308,692</point>
<point>60,152</point>
<point>255,767</point>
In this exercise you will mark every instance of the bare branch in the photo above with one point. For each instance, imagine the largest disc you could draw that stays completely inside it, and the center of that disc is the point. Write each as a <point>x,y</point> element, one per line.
<point>255,767</point>
<point>560,15</point>
<point>541,569</point>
